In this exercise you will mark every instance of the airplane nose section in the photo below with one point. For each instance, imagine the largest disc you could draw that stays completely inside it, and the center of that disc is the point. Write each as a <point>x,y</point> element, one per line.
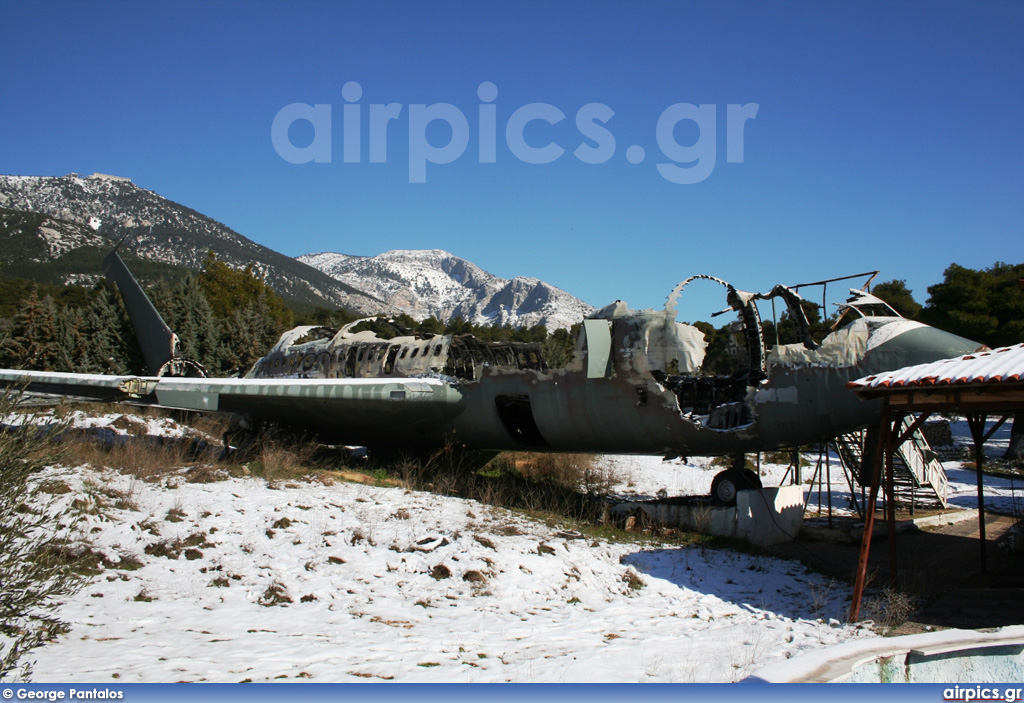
<point>906,343</point>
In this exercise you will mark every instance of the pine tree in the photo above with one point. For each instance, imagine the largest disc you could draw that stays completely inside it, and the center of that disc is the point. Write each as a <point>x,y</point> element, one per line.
<point>228,290</point>
<point>248,334</point>
<point>986,305</point>
<point>189,314</point>
<point>69,347</point>
<point>34,334</point>
<point>105,335</point>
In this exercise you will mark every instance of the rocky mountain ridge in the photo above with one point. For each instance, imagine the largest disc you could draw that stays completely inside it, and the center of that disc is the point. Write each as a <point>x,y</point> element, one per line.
<point>47,219</point>
<point>161,230</point>
<point>438,284</point>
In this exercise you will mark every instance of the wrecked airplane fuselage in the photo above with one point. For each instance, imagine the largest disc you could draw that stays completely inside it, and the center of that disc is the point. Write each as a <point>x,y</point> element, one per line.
<point>637,382</point>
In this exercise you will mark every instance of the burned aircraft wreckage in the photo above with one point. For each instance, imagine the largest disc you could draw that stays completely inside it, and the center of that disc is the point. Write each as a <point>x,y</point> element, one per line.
<point>637,381</point>
<point>635,384</point>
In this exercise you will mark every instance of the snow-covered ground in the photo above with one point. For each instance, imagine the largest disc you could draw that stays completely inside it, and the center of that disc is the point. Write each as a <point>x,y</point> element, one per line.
<point>389,584</point>
<point>237,580</point>
<point>240,580</point>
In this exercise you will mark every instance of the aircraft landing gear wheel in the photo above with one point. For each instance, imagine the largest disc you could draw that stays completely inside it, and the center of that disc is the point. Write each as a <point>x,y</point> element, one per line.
<point>728,483</point>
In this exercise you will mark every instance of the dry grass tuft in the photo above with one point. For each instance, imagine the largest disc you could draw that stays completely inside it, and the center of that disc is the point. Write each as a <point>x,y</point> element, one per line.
<point>440,572</point>
<point>276,594</point>
<point>148,458</point>
<point>573,471</point>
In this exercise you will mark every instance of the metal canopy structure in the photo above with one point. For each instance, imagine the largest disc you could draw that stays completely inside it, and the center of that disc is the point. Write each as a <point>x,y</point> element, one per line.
<point>976,385</point>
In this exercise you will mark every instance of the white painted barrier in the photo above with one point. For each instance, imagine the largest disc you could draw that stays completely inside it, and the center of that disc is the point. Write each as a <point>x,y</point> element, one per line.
<point>946,656</point>
<point>763,516</point>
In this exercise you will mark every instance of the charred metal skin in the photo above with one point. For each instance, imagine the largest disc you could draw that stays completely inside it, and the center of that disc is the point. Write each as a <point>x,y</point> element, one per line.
<point>637,382</point>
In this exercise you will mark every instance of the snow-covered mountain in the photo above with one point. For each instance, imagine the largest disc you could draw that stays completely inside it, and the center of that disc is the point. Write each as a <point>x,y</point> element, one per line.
<point>434,283</point>
<point>164,231</point>
<point>58,219</point>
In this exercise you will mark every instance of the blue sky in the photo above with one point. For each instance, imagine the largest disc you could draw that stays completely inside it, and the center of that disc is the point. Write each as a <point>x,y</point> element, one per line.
<point>885,136</point>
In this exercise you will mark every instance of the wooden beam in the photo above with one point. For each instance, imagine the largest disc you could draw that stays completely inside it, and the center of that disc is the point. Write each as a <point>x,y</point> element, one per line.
<point>989,397</point>
<point>976,421</point>
<point>914,427</point>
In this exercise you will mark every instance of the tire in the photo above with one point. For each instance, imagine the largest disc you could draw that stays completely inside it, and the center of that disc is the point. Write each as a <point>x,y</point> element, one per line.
<point>728,483</point>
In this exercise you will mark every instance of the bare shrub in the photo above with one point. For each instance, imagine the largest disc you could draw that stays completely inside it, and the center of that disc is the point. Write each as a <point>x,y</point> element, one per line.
<point>890,608</point>
<point>820,595</point>
<point>38,568</point>
<point>702,518</point>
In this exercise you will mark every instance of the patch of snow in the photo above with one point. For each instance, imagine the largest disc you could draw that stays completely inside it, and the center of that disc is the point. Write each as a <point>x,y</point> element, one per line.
<point>349,582</point>
<point>384,583</point>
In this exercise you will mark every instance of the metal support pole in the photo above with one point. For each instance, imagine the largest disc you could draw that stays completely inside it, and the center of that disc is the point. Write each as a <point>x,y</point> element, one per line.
<point>869,519</point>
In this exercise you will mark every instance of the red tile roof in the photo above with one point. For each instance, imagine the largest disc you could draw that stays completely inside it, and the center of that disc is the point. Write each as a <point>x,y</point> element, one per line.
<point>1002,365</point>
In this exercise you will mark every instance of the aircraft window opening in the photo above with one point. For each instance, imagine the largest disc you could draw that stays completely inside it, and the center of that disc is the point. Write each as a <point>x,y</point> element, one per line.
<point>389,363</point>
<point>414,352</point>
<point>350,362</point>
<point>404,352</point>
<point>437,350</point>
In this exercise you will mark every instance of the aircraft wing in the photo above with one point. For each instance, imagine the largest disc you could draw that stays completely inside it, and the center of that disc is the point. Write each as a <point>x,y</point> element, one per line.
<point>354,408</point>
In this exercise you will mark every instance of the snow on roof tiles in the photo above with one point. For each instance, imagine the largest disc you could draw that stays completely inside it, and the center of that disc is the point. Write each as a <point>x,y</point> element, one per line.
<point>995,366</point>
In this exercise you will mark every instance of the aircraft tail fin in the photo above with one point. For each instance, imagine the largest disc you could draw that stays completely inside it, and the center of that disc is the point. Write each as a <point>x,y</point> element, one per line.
<point>158,342</point>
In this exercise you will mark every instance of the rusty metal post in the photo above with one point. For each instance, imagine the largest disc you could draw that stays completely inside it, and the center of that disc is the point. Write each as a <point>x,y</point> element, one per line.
<point>869,517</point>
